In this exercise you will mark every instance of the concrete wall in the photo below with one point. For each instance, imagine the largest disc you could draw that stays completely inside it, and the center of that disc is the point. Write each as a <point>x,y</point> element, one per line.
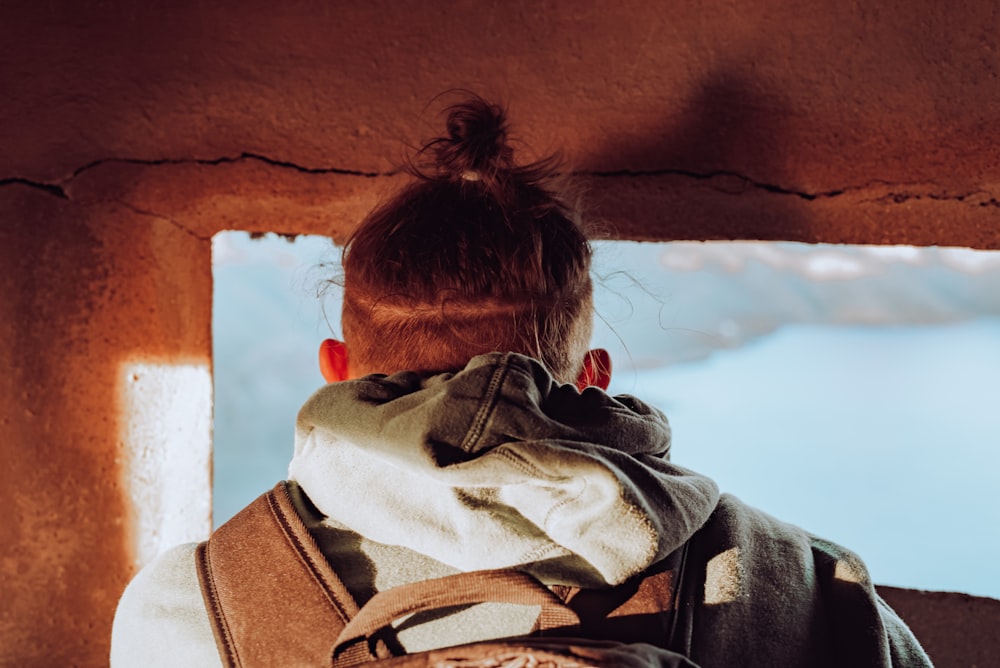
<point>717,119</point>
<point>105,336</point>
<point>955,629</point>
<point>131,132</point>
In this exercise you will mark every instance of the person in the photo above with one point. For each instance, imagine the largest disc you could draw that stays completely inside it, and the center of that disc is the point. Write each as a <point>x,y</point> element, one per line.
<point>466,426</point>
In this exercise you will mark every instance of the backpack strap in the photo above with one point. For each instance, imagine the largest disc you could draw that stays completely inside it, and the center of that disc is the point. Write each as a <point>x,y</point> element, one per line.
<point>274,600</point>
<point>451,591</point>
<point>629,624</point>
<point>272,597</point>
<point>642,609</point>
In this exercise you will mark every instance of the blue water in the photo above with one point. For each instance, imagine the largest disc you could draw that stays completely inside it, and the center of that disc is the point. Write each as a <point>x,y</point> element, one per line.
<point>885,439</point>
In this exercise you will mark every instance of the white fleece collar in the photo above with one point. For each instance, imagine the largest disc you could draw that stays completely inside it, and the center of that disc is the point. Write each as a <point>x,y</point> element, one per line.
<point>500,466</point>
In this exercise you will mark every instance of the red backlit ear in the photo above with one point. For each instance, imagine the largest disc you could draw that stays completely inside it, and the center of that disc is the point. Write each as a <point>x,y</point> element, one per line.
<point>596,370</point>
<point>333,360</point>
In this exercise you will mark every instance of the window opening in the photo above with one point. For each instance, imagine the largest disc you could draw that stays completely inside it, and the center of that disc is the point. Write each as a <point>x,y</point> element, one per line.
<point>850,390</point>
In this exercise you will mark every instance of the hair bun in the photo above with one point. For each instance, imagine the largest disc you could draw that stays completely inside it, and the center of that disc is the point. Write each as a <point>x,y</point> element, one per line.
<point>476,146</point>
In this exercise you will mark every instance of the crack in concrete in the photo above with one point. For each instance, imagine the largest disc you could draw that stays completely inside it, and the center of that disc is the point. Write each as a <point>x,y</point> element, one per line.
<point>245,156</point>
<point>706,176</point>
<point>158,216</point>
<point>891,197</point>
<point>895,197</point>
<point>50,188</point>
<point>60,188</point>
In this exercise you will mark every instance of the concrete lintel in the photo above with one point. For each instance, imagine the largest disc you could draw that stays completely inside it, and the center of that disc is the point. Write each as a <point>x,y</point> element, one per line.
<point>254,194</point>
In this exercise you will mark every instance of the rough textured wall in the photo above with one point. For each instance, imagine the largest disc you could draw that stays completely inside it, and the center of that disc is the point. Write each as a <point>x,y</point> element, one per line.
<point>97,301</point>
<point>718,119</point>
<point>131,132</point>
<point>955,629</point>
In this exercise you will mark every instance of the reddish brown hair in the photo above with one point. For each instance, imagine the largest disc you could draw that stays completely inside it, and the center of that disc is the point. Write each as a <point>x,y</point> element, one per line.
<point>478,254</point>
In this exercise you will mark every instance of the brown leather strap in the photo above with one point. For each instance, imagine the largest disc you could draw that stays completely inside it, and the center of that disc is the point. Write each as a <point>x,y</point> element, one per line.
<point>223,638</point>
<point>501,586</point>
<point>638,610</point>
<point>272,597</point>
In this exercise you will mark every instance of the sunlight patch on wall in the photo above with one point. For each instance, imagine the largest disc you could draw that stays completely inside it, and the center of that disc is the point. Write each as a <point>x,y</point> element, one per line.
<point>167,453</point>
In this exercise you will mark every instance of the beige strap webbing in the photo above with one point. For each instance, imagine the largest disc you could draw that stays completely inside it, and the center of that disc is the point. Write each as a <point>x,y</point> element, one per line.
<point>272,597</point>
<point>453,591</point>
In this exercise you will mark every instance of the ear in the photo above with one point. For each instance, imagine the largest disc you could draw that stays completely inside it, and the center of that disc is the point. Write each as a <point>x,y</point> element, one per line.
<point>596,370</point>
<point>333,360</point>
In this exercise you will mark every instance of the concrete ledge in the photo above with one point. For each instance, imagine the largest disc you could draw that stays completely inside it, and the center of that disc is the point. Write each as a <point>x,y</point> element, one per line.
<point>955,629</point>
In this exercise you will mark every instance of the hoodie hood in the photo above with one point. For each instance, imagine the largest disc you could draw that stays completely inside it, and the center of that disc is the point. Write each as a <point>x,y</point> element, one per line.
<point>500,466</point>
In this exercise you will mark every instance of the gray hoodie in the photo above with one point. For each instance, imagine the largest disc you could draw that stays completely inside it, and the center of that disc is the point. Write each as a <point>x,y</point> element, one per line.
<point>407,477</point>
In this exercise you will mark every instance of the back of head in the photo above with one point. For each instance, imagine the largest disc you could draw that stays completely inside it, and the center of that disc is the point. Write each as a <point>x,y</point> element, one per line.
<point>478,254</point>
